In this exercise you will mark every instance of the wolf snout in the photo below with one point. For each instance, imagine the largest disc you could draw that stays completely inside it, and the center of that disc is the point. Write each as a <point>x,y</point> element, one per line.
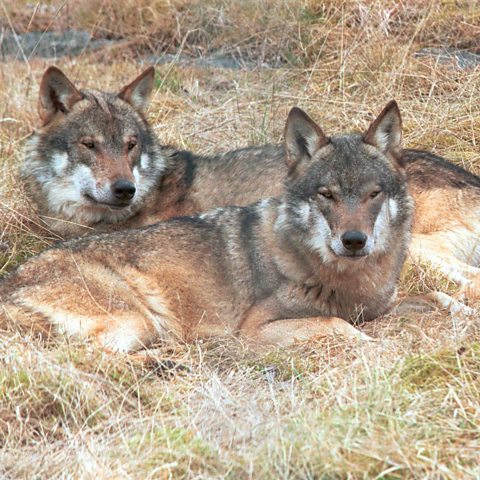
<point>354,240</point>
<point>123,190</point>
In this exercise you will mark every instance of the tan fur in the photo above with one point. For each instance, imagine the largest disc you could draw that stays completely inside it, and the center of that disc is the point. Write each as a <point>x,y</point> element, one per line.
<point>446,234</point>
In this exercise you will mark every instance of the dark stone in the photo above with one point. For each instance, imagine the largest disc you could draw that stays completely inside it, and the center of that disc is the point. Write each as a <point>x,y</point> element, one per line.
<point>49,44</point>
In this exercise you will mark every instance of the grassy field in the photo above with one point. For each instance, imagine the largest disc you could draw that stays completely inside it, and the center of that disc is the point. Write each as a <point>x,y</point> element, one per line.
<point>406,406</point>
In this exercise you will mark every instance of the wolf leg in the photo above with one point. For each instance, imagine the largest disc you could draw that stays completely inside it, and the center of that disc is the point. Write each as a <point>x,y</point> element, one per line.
<point>431,301</point>
<point>287,332</point>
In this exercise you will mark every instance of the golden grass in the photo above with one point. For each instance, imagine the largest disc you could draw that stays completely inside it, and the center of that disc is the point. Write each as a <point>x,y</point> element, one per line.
<point>407,406</point>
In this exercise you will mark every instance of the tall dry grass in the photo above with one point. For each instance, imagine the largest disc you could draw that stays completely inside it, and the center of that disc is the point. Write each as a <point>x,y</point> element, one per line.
<point>407,406</point>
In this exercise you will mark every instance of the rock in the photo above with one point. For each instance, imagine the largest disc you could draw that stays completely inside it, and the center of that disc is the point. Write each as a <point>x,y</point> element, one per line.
<point>463,58</point>
<point>49,44</point>
<point>76,42</point>
<point>212,61</point>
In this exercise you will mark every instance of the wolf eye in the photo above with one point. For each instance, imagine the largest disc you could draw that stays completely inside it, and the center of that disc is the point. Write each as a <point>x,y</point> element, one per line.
<point>88,143</point>
<point>375,193</point>
<point>326,194</point>
<point>131,144</point>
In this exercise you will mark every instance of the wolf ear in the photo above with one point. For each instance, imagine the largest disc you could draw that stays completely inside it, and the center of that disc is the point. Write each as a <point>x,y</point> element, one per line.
<point>385,132</point>
<point>57,94</point>
<point>138,92</point>
<point>303,137</point>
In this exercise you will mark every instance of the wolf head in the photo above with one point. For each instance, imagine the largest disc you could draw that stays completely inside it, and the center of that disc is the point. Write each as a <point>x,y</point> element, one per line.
<point>94,158</point>
<point>347,195</point>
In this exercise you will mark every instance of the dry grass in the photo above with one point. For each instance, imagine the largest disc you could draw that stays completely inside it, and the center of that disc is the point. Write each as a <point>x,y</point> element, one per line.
<point>407,406</point>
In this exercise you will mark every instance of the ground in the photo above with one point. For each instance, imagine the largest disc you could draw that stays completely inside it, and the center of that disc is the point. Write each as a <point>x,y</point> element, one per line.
<point>404,406</point>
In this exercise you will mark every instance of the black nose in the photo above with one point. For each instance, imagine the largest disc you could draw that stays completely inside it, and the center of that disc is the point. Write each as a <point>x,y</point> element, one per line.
<point>354,240</point>
<point>123,190</point>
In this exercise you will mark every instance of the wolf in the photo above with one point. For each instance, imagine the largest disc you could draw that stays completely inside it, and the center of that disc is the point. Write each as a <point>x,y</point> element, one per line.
<point>96,166</point>
<point>323,255</point>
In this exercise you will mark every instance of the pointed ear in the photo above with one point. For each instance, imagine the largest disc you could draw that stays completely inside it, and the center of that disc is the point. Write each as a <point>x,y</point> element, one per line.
<point>138,92</point>
<point>385,133</point>
<point>303,137</point>
<point>57,94</point>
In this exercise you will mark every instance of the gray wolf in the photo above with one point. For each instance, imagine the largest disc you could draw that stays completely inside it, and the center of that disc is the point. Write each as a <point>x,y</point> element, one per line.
<point>95,166</point>
<point>324,254</point>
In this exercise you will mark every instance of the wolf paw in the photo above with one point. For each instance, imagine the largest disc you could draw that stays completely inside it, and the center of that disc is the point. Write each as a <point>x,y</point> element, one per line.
<point>457,307</point>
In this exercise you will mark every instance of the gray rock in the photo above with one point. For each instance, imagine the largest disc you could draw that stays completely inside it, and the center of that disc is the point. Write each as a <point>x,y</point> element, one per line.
<point>463,58</point>
<point>49,44</point>
<point>212,61</point>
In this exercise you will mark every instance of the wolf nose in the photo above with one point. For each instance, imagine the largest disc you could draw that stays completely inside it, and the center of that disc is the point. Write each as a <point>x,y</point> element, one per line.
<point>354,240</point>
<point>123,190</point>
